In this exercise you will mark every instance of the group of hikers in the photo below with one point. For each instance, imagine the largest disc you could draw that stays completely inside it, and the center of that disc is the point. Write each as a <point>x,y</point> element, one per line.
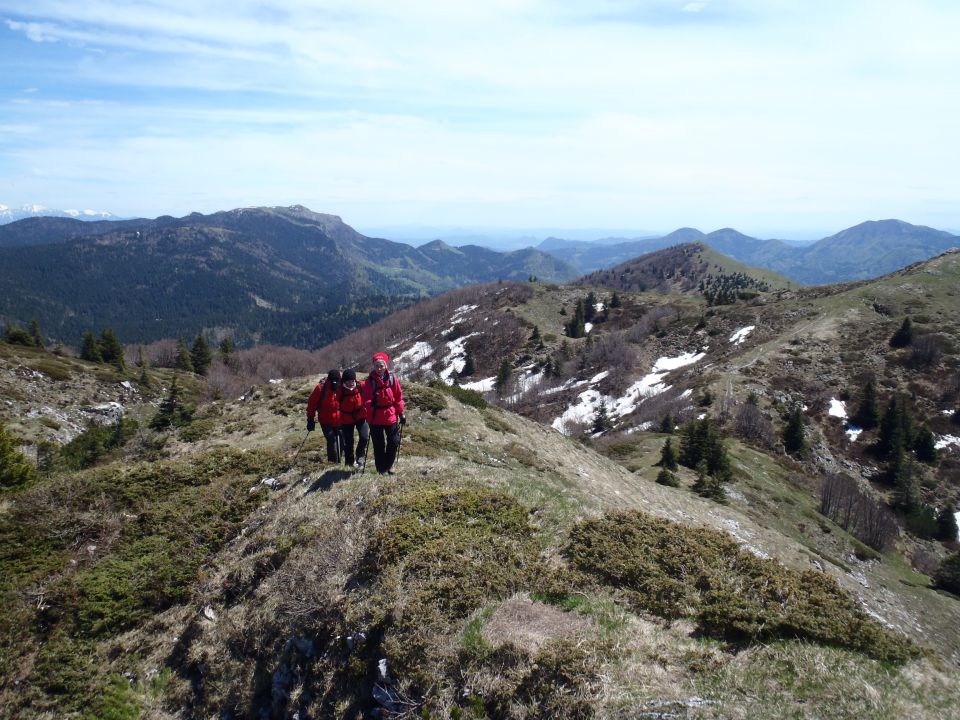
<point>373,407</point>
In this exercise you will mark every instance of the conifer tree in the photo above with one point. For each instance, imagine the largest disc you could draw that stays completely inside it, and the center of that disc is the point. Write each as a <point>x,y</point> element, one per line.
<point>601,420</point>
<point>794,441</point>
<point>90,348</point>
<point>896,429</point>
<point>590,307</point>
<point>503,377</point>
<point>111,350</point>
<point>469,366</point>
<point>172,411</point>
<point>868,415</point>
<point>668,456</point>
<point>925,446</point>
<point>576,328</point>
<point>142,363</point>
<point>667,424</point>
<point>183,360</point>
<point>536,340</point>
<point>615,301</point>
<point>903,336</point>
<point>227,348</point>
<point>947,524</point>
<point>906,485</point>
<point>35,333</point>
<point>665,477</point>
<point>15,469</point>
<point>200,355</point>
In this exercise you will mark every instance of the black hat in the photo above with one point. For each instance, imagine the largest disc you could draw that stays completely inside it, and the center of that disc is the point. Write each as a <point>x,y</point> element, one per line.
<point>349,375</point>
<point>333,376</point>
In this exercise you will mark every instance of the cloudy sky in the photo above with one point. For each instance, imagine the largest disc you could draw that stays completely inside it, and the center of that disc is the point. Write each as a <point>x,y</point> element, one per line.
<point>783,118</point>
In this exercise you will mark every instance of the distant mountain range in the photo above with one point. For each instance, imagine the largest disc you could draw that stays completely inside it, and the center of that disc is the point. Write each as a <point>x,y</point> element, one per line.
<point>281,275</point>
<point>867,250</point>
<point>9,215</point>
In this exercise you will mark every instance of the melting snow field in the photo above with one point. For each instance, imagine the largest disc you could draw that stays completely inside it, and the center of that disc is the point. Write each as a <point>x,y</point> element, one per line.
<point>837,408</point>
<point>945,440</point>
<point>853,432</point>
<point>456,358</point>
<point>588,402</point>
<point>740,335</point>
<point>413,356</point>
<point>485,385</point>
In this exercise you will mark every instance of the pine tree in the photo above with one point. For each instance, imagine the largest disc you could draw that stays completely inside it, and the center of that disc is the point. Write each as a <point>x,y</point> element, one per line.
<point>903,336</point>
<point>90,348</point>
<point>200,355</point>
<point>590,307</point>
<point>503,377</point>
<point>947,524</point>
<point>576,328</point>
<point>36,334</point>
<point>111,349</point>
<point>183,361</point>
<point>906,485</point>
<point>469,367</point>
<point>896,429</point>
<point>15,469</point>
<point>667,424</point>
<point>668,456</point>
<point>142,363</point>
<point>172,411</point>
<point>227,348</point>
<point>925,446</point>
<point>615,300</point>
<point>868,415</point>
<point>794,441</point>
<point>601,420</point>
<point>665,477</point>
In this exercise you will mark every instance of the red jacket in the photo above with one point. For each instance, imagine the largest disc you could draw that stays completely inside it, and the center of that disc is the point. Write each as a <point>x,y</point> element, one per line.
<point>383,399</point>
<point>325,402</point>
<point>352,409</point>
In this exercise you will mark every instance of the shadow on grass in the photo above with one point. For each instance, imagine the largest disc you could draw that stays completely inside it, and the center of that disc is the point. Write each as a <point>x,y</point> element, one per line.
<point>326,481</point>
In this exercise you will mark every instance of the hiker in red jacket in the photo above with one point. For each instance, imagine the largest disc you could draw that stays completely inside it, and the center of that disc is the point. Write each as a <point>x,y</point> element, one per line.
<point>325,402</point>
<point>353,414</point>
<point>384,403</point>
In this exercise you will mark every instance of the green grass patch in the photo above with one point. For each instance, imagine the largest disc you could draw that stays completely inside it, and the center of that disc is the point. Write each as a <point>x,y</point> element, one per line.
<point>493,421</point>
<point>53,369</point>
<point>675,571</point>
<point>425,399</point>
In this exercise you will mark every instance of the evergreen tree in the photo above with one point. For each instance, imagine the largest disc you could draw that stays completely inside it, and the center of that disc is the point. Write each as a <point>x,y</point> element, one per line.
<point>36,334</point>
<point>142,363</point>
<point>15,469</point>
<point>590,307</point>
<point>469,366</point>
<point>18,336</point>
<point>111,350</point>
<point>90,348</point>
<point>668,456</point>
<point>576,328</point>
<point>906,485</point>
<point>665,477</point>
<point>227,348</point>
<point>615,300</point>
<point>503,377</point>
<point>172,411</point>
<point>183,360</point>
<point>794,441</point>
<point>947,576</point>
<point>200,355</point>
<point>896,429</point>
<point>601,420</point>
<point>947,524</point>
<point>868,415</point>
<point>925,447</point>
<point>903,336</point>
<point>667,424</point>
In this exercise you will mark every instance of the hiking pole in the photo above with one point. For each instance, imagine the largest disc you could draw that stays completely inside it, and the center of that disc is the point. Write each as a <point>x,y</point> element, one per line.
<point>399,445</point>
<point>294,461</point>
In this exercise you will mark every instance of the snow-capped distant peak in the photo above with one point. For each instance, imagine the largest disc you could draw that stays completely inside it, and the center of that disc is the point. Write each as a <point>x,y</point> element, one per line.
<point>8,214</point>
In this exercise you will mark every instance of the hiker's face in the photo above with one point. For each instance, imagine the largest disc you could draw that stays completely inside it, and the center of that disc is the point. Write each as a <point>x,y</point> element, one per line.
<point>380,366</point>
<point>349,384</point>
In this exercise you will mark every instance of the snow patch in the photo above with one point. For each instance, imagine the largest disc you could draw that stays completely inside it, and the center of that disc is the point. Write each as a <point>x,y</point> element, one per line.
<point>837,408</point>
<point>853,432</point>
<point>947,440</point>
<point>485,385</point>
<point>413,355</point>
<point>587,327</point>
<point>456,357</point>
<point>740,335</point>
<point>461,312</point>
<point>598,307</point>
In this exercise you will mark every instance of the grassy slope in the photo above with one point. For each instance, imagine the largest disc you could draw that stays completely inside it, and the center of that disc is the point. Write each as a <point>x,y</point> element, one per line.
<point>289,566</point>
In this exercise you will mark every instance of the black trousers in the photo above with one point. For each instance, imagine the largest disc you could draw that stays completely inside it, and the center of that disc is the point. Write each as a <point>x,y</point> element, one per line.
<point>334,442</point>
<point>386,442</point>
<point>363,433</point>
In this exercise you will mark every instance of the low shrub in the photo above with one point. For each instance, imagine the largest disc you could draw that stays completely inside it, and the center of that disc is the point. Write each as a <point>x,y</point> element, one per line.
<point>675,571</point>
<point>948,574</point>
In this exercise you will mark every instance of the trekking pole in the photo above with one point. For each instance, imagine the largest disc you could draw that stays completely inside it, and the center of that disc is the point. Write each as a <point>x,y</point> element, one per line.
<point>399,445</point>
<point>294,461</point>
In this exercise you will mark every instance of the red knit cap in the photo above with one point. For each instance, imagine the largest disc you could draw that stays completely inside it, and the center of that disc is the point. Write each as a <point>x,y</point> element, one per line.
<point>382,356</point>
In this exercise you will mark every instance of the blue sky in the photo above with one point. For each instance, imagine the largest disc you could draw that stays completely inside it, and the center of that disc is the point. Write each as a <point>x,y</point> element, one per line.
<point>777,117</point>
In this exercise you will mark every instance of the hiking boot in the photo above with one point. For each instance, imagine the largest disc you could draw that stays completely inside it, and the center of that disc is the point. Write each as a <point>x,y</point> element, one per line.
<point>391,472</point>
<point>358,463</point>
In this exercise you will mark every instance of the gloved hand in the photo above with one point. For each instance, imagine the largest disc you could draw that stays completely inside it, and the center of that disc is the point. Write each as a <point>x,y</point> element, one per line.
<point>311,425</point>
<point>403,419</point>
